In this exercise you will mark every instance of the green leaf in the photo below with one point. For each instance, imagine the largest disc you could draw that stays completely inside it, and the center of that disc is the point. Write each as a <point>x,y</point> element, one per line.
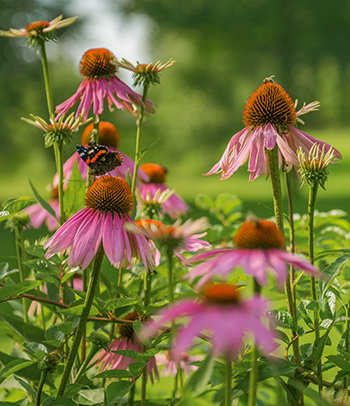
<point>120,302</point>
<point>4,215</point>
<point>332,271</point>
<point>59,401</point>
<point>15,205</point>
<point>29,388</point>
<point>43,203</point>
<point>117,390</point>
<point>77,310</point>
<point>90,396</point>
<point>115,373</point>
<point>4,270</point>
<point>19,288</point>
<point>200,378</point>
<point>130,353</point>
<point>73,198</point>
<point>137,367</point>
<point>31,372</point>
<point>28,331</point>
<point>203,201</point>
<point>14,366</point>
<point>53,333</point>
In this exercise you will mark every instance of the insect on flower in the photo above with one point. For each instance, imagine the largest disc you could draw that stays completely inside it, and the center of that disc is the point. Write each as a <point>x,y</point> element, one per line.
<point>98,158</point>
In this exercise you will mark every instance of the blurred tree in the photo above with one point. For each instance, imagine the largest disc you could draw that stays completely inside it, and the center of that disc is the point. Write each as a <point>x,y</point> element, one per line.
<point>225,49</point>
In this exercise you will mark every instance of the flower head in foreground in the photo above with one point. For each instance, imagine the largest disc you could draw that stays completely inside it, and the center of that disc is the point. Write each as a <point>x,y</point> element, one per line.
<point>174,206</point>
<point>127,340</point>
<point>108,203</point>
<point>177,237</point>
<point>313,169</point>
<point>269,117</point>
<point>108,136</point>
<point>259,250</point>
<point>173,363</point>
<point>59,130</point>
<point>39,30</point>
<point>143,73</point>
<point>100,83</point>
<point>38,215</point>
<point>223,314</point>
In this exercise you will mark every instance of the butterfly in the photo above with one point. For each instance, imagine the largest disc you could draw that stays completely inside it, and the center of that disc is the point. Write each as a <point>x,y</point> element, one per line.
<point>99,158</point>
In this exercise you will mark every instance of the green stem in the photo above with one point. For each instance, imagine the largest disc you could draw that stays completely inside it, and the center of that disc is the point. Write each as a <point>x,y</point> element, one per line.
<point>253,378</point>
<point>228,380</point>
<point>138,139</point>
<point>147,298</point>
<point>58,149</point>
<point>86,362</point>
<point>311,211</point>
<point>19,245</point>
<point>93,283</point>
<point>278,208</point>
<point>143,381</point>
<point>170,275</point>
<point>291,228</point>
<point>40,387</point>
<point>131,395</point>
<point>45,64</point>
<point>347,340</point>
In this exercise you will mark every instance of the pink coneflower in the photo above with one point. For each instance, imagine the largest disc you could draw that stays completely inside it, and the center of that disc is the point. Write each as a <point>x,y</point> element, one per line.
<point>127,340</point>
<point>173,363</point>
<point>269,117</point>
<point>100,83</point>
<point>39,216</point>
<point>223,315</point>
<point>177,237</point>
<point>259,250</point>
<point>174,206</point>
<point>108,136</point>
<point>108,203</point>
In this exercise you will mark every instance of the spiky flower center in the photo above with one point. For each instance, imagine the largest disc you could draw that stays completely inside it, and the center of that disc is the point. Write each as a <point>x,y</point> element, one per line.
<point>221,293</point>
<point>259,234</point>
<point>127,330</point>
<point>37,26</point>
<point>107,134</point>
<point>155,172</point>
<point>97,62</point>
<point>269,104</point>
<point>110,194</point>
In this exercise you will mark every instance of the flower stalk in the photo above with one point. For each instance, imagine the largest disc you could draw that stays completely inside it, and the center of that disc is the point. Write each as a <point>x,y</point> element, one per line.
<point>19,245</point>
<point>93,283</point>
<point>40,387</point>
<point>138,154</point>
<point>228,380</point>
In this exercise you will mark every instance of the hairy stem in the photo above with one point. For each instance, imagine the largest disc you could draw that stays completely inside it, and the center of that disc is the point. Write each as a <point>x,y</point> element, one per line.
<point>19,245</point>
<point>93,283</point>
<point>40,387</point>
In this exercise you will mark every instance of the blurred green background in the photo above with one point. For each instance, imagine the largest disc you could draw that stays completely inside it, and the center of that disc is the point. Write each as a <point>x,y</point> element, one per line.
<point>223,50</point>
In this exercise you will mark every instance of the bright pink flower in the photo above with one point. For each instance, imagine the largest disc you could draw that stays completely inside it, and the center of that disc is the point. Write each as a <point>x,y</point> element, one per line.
<point>126,341</point>
<point>100,83</point>
<point>39,216</point>
<point>269,118</point>
<point>174,206</point>
<point>222,315</point>
<point>108,202</point>
<point>172,363</point>
<point>259,251</point>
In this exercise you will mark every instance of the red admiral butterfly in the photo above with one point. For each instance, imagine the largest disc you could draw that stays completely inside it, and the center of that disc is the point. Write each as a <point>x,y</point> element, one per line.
<point>98,158</point>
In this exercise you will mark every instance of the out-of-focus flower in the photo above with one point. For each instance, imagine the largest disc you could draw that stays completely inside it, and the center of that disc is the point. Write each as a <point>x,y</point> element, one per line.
<point>108,136</point>
<point>173,363</point>
<point>269,117</point>
<point>39,216</point>
<point>39,30</point>
<point>313,168</point>
<point>143,73</point>
<point>259,250</point>
<point>177,237</point>
<point>59,130</point>
<point>100,83</point>
<point>108,203</point>
<point>174,206</point>
<point>127,340</point>
<point>223,314</point>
